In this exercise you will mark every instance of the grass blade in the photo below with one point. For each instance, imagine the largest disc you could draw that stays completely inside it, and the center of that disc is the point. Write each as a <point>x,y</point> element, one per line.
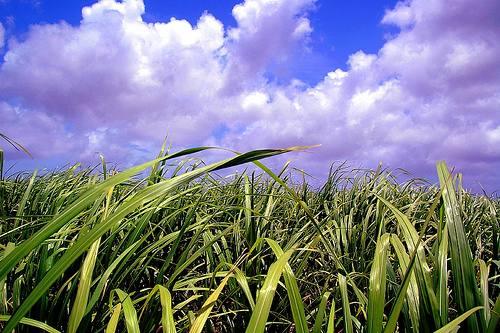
<point>86,271</point>
<point>345,304</point>
<point>167,318</point>
<point>265,296</point>
<point>32,323</point>
<point>495,317</point>
<point>113,321</point>
<point>293,292</point>
<point>22,204</point>
<point>320,316</point>
<point>129,312</point>
<point>465,286</point>
<point>376,293</point>
<point>483,274</point>
<point>422,268</point>
<point>331,318</point>
<point>408,288</point>
<point>453,325</point>
<point>82,295</point>
<point>205,310</point>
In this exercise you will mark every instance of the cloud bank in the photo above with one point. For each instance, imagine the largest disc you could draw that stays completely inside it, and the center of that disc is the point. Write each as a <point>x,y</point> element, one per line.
<point>116,84</point>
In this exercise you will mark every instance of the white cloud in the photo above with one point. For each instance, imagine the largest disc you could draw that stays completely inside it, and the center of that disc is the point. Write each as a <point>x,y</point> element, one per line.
<point>427,95</point>
<point>402,15</point>
<point>267,30</point>
<point>431,92</point>
<point>254,100</point>
<point>144,79</point>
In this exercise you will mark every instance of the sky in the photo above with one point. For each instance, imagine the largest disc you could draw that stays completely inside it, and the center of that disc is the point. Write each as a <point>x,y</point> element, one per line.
<point>405,84</point>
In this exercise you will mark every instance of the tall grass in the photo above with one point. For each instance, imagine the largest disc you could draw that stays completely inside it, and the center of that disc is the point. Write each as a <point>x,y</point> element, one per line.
<point>174,251</point>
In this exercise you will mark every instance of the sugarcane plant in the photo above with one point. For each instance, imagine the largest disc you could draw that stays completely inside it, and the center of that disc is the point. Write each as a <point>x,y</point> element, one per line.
<point>181,248</point>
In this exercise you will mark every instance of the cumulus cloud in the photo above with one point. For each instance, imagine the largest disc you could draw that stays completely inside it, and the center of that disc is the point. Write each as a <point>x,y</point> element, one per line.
<point>37,130</point>
<point>431,92</point>
<point>114,69</point>
<point>267,30</point>
<point>117,84</point>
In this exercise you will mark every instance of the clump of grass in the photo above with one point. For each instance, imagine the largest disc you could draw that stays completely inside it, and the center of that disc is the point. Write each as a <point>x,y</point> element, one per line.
<point>175,251</point>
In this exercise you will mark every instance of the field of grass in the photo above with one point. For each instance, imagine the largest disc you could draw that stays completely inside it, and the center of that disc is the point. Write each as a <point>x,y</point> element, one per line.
<point>179,249</point>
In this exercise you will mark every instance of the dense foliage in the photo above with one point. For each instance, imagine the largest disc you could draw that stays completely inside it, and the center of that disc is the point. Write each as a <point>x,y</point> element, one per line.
<point>181,249</point>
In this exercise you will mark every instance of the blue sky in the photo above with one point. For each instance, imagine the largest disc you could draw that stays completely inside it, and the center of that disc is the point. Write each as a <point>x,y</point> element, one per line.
<point>405,84</point>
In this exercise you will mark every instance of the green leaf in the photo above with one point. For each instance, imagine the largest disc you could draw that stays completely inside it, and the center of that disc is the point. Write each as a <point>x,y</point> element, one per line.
<point>167,317</point>
<point>483,274</point>
<point>408,288</point>
<point>205,310</point>
<point>265,296</point>
<point>129,312</point>
<point>465,288</point>
<point>242,281</point>
<point>331,318</point>
<point>345,304</point>
<point>82,295</point>
<point>422,268</point>
<point>454,324</point>
<point>293,292</point>
<point>113,321</point>
<point>105,276</point>
<point>318,322</point>
<point>86,271</point>
<point>376,293</point>
<point>495,317</point>
<point>32,323</point>
<point>22,204</point>
<point>442,270</point>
